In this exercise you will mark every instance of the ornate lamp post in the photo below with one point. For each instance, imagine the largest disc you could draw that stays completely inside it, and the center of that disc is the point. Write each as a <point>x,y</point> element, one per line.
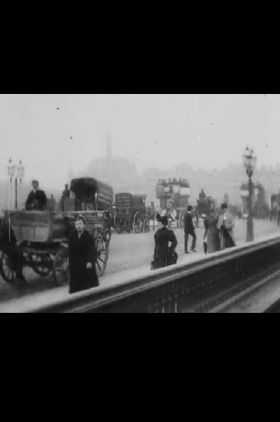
<point>11,171</point>
<point>16,172</point>
<point>249,161</point>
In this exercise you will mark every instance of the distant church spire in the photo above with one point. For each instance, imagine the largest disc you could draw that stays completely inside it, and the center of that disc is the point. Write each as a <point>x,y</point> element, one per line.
<point>109,153</point>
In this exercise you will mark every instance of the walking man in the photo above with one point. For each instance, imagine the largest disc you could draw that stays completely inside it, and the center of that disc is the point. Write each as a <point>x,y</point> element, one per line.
<point>189,230</point>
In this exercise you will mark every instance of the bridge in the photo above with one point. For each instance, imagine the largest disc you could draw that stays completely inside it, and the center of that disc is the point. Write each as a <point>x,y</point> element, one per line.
<point>243,279</point>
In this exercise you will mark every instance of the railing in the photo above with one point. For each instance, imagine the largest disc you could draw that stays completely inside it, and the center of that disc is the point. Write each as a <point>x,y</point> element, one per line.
<point>178,288</point>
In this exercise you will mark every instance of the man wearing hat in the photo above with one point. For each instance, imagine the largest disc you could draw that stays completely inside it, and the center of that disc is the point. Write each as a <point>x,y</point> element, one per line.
<point>82,258</point>
<point>37,199</point>
<point>189,230</point>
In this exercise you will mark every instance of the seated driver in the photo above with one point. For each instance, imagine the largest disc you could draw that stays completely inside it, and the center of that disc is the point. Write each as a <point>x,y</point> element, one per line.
<point>37,199</point>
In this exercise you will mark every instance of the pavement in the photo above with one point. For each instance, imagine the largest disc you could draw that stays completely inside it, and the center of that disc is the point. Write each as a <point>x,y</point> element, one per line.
<point>130,256</point>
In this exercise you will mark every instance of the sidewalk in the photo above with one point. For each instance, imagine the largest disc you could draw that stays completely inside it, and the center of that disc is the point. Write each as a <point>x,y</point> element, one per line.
<point>56,295</point>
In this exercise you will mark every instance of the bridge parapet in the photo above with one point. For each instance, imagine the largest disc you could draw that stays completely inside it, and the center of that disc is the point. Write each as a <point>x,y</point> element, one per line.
<point>180,288</point>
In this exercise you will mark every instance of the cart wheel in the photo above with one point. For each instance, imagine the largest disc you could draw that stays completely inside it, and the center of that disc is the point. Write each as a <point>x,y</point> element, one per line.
<point>6,268</point>
<point>101,262</point>
<point>137,223</point>
<point>102,247</point>
<point>61,267</point>
<point>41,263</point>
<point>100,239</point>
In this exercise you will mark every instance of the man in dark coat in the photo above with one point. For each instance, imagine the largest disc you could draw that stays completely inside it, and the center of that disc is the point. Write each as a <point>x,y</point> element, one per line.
<point>82,258</point>
<point>36,199</point>
<point>164,254</point>
<point>189,230</point>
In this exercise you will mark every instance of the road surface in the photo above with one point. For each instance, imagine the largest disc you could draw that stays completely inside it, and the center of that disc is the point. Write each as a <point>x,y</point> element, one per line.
<point>133,250</point>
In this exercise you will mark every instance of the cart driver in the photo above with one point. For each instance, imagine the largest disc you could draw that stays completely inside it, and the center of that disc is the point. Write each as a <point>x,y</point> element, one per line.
<point>36,199</point>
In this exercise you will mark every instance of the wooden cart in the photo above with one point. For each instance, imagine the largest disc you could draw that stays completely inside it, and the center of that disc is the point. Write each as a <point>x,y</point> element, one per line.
<point>131,213</point>
<point>42,236</point>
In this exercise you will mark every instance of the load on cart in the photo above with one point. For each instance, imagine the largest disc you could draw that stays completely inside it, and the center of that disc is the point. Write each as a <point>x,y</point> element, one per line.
<point>131,213</point>
<point>41,237</point>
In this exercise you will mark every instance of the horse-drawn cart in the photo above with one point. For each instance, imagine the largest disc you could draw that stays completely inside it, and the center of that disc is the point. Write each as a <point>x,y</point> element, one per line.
<point>39,239</point>
<point>131,213</point>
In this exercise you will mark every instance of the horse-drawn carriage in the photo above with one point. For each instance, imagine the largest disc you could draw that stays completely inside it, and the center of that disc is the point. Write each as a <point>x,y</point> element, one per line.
<point>41,237</point>
<point>130,213</point>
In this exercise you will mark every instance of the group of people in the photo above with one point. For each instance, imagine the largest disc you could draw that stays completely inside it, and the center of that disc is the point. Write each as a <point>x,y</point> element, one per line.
<point>218,235</point>
<point>219,227</point>
<point>83,254</point>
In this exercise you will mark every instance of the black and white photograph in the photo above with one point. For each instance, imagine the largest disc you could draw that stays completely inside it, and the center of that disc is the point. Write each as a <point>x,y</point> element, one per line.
<point>140,203</point>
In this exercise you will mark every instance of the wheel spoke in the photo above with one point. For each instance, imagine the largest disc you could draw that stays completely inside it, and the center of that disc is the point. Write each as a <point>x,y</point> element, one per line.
<point>98,266</point>
<point>7,273</point>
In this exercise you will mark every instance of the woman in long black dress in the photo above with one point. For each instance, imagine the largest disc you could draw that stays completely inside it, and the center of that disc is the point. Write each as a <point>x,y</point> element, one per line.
<point>226,226</point>
<point>82,258</point>
<point>164,254</point>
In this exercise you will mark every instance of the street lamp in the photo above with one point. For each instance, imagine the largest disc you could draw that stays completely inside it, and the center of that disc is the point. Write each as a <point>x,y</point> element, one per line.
<point>16,172</point>
<point>249,162</point>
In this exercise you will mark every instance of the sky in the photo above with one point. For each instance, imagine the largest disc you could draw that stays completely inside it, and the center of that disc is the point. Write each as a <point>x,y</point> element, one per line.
<point>53,133</point>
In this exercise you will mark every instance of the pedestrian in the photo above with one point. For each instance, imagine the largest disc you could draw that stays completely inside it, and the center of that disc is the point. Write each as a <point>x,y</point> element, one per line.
<point>225,226</point>
<point>211,235</point>
<point>189,230</point>
<point>82,258</point>
<point>165,245</point>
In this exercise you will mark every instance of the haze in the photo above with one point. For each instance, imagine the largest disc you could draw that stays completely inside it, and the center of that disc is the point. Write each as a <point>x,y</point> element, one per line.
<point>56,135</point>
